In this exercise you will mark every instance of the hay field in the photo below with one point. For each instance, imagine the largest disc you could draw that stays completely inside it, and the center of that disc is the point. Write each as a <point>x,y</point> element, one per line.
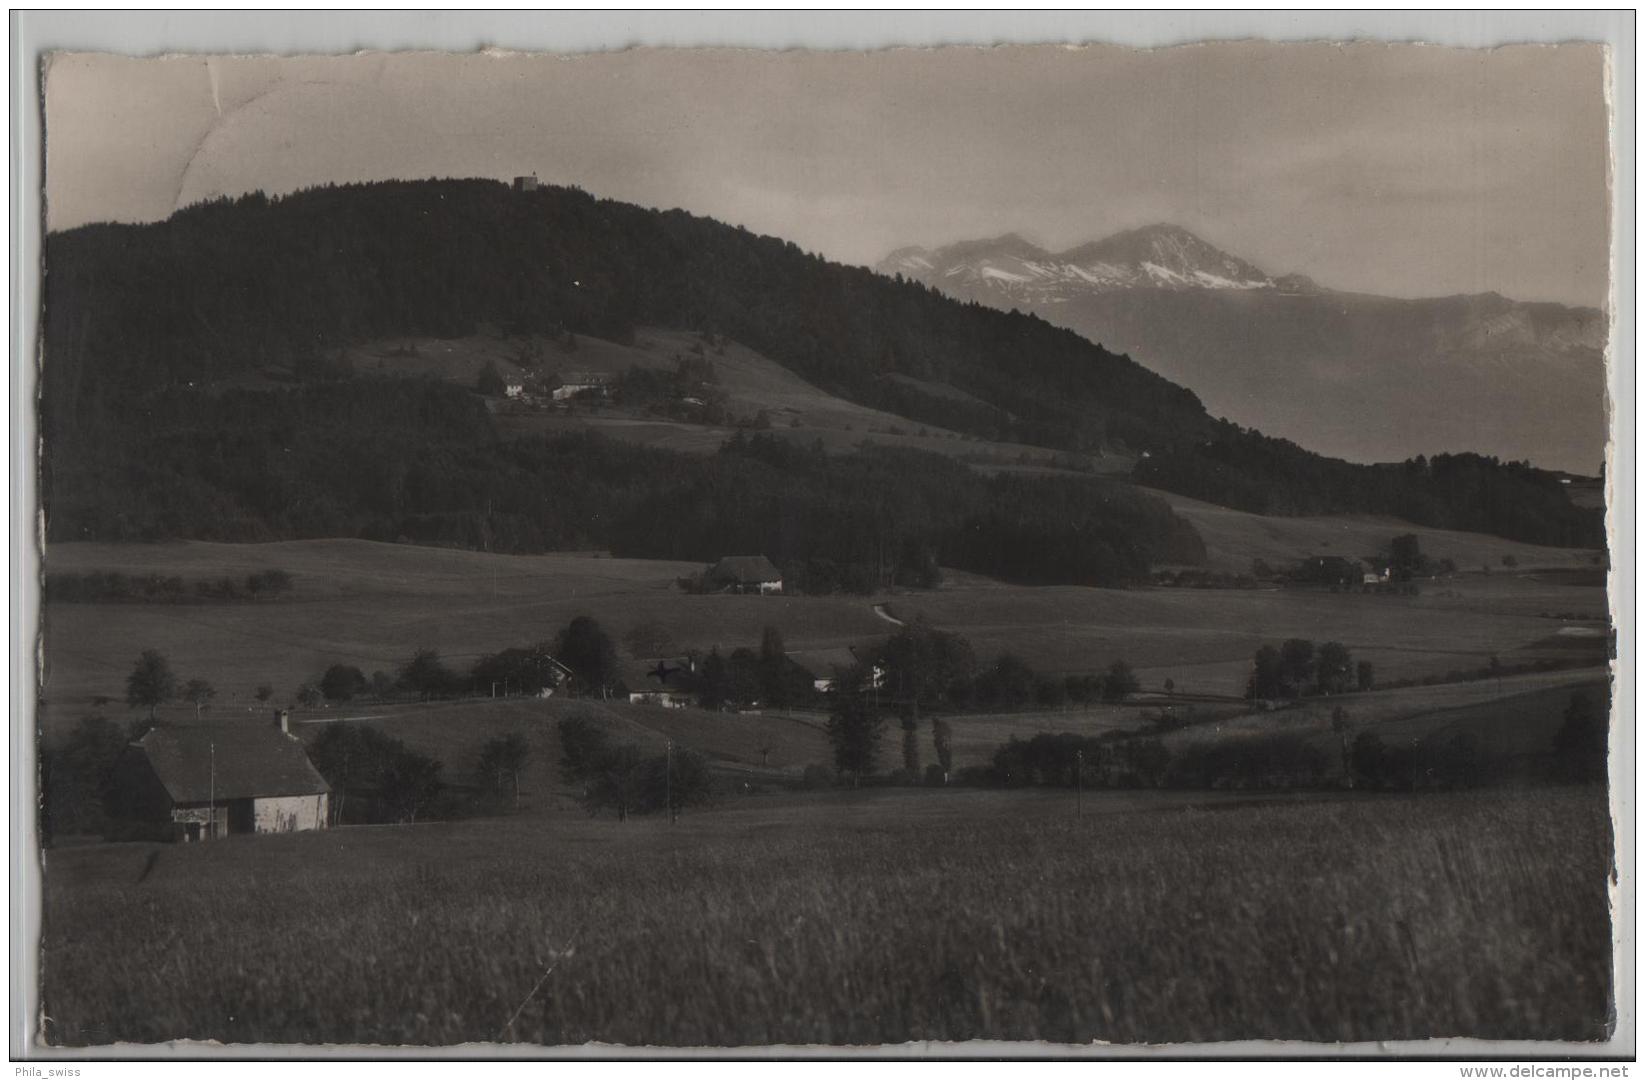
<point>856,918</point>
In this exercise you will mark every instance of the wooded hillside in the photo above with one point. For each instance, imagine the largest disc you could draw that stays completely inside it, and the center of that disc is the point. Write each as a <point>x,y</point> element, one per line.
<point>140,318</point>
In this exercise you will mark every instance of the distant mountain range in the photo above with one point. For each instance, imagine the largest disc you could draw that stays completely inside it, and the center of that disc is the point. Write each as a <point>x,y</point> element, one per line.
<point>1368,378</point>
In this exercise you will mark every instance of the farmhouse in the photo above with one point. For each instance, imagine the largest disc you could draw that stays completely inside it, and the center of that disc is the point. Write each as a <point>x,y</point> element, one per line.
<point>658,681</point>
<point>743,574</point>
<point>219,780</point>
<point>572,384</point>
<point>823,664</point>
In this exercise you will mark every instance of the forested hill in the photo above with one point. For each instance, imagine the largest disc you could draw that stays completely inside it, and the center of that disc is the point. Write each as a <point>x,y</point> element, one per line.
<point>249,284</point>
<point>140,317</point>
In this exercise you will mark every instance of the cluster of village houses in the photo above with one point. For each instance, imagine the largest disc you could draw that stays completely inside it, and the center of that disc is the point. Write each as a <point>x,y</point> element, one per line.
<point>216,780</point>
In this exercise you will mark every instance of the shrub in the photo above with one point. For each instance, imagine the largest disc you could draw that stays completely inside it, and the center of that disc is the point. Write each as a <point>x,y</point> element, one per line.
<point>817,776</point>
<point>1119,682</point>
<point>425,675</point>
<point>342,682</point>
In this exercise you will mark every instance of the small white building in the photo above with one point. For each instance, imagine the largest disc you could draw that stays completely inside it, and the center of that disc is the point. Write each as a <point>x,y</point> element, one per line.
<point>215,780</point>
<point>514,390</point>
<point>665,699</point>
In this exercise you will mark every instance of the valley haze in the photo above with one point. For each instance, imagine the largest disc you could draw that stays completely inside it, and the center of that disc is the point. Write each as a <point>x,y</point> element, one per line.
<point>1383,377</point>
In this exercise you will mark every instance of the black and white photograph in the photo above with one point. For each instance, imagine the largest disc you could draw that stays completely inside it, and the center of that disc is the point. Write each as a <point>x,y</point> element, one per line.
<point>974,550</point>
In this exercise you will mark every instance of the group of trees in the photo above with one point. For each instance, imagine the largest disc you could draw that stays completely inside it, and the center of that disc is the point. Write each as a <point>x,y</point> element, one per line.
<point>103,587</point>
<point>582,647</point>
<point>920,669</point>
<point>152,683</point>
<point>671,393</point>
<point>375,777</point>
<point>1296,669</point>
<point>77,778</point>
<point>623,779</point>
<point>500,762</point>
<point>744,677</point>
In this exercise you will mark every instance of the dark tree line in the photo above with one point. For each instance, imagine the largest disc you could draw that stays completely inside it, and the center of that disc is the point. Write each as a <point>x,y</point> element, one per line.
<point>1243,468</point>
<point>921,669</point>
<point>1295,668</point>
<point>112,587</point>
<point>425,466</point>
<point>375,777</point>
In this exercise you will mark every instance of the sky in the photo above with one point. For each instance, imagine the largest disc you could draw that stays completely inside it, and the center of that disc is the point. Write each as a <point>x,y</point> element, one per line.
<point>1402,170</point>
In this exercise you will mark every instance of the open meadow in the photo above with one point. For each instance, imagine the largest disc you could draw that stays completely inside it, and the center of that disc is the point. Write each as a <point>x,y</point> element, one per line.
<point>751,382</point>
<point>1235,538</point>
<point>372,605</point>
<point>856,918</point>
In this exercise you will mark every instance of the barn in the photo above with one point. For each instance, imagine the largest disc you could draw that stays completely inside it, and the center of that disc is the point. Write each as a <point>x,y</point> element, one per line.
<point>743,574</point>
<point>572,384</point>
<point>218,780</point>
<point>822,664</point>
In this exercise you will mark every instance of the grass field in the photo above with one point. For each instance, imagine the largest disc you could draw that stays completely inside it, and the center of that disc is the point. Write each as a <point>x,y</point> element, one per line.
<point>453,734</point>
<point>1520,716</point>
<point>856,918</point>
<point>1203,640</point>
<point>1234,538</point>
<point>372,605</point>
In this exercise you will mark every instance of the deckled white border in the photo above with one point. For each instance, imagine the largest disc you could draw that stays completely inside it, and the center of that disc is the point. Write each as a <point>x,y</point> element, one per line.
<point>33,33</point>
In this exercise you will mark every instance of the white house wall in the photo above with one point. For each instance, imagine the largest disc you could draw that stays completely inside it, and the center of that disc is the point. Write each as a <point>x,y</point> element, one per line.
<point>287,814</point>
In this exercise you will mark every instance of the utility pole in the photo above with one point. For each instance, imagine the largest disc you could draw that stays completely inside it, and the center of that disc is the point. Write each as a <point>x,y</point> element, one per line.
<point>1079,784</point>
<point>668,781</point>
<point>211,811</point>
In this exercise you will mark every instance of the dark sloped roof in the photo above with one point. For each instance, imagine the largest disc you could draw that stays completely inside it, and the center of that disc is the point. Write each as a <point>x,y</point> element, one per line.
<point>247,760</point>
<point>744,569</point>
<point>822,662</point>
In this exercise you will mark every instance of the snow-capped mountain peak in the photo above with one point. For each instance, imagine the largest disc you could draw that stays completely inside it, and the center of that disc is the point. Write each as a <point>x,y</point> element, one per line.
<point>1154,257</point>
